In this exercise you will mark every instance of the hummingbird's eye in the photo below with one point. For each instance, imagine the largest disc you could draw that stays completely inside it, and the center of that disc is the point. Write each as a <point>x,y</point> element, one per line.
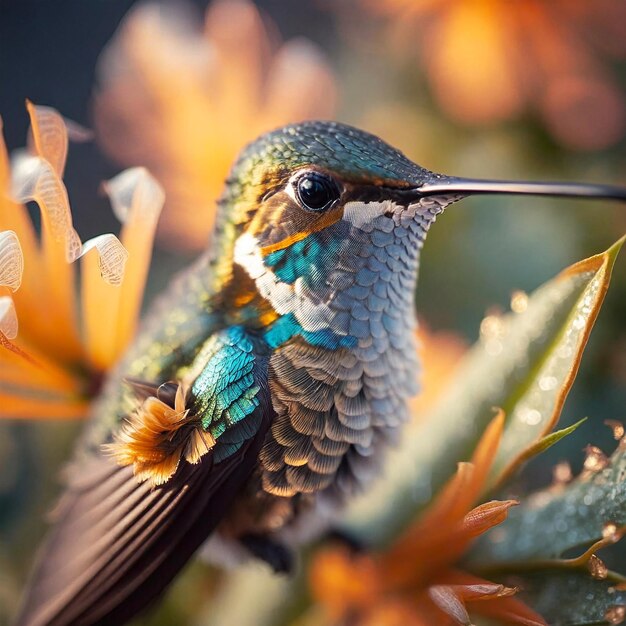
<point>316,191</point>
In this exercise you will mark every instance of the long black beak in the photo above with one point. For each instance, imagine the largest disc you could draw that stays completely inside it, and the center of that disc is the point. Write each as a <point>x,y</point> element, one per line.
<point>450,185</point>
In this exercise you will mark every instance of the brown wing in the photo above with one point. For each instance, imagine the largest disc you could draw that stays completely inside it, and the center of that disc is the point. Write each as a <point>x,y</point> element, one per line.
<point>117,543</point>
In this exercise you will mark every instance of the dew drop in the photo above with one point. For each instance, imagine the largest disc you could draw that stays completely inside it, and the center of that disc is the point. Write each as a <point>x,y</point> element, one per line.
<point>565,352</point>
<point>493,347</point>
<point>609,531</point>
<point>615,614</point>
<point>547,383</point>
<point>597,568</point>
<point>491,327</point>
<point>562,473</point>
<point>617,428</point>
<point>595,460</point>
<point>532,417</point>
<point>519,301</point>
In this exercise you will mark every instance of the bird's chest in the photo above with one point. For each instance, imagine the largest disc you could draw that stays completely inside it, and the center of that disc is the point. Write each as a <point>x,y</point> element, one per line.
<point>340,392</point>
<point>335,412</point>
<point>343,357</point>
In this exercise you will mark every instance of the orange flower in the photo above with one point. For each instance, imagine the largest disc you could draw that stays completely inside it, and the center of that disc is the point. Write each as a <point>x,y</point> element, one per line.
<point>184,103</point>
<point>51,365</point>
<point>416,582</point>
<point>489,60</point>
<point>440,352</point>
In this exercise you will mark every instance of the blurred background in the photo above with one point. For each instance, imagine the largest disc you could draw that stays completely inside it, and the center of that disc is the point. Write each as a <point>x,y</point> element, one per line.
<point>486,88</point>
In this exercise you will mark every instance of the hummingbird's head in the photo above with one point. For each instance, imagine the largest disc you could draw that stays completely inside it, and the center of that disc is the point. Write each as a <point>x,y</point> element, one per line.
<point>324,215</point>
<point>326,211</point>
<point>306,178</point>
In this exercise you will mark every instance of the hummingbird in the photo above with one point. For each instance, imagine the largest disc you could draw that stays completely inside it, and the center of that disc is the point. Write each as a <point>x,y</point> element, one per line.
<point>265,383</point>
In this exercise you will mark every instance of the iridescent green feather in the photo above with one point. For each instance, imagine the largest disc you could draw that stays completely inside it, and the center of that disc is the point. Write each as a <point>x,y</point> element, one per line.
<point>224,394</point>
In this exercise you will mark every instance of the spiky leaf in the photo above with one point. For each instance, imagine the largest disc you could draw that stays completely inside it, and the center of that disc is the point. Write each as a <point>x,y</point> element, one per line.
<point>574,598</point>
<point>525,363</point>
<point>561,518</point>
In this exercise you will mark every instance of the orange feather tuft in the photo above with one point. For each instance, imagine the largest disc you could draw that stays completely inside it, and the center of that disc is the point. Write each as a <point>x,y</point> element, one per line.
<point>157,436</point>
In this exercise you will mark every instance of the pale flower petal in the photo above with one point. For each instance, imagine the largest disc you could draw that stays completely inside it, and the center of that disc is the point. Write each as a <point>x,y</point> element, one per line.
<point>301,82</point>
<point>8,317</point>
<point>33,178</point>
<point>135,190</point>
<point>112,257</point>
<point>11,260</point>
<point>449,602</point>
<point>186,107</point>
<point>49,135</point>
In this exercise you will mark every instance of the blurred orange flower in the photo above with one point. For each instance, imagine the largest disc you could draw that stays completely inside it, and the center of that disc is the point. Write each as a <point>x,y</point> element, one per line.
<point>53,365</point>
<point>440,352</point>
<point>183,102</point>
<point>416,582</point>
<point>489,60</point>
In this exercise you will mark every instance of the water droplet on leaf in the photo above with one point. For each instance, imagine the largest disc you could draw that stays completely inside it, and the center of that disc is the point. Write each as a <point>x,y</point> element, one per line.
<point>519,301</point>
<point>617,428</point>
<point>595,460</point>
<point>562,473</point>
<point>615,614</point>
<point>610,531</point>
<point>597,568</point>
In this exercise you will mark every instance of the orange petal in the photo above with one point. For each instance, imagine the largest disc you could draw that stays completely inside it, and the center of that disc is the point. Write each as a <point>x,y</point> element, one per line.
<point>419,551</point>
<point>487,88</point>
<point>438,536</point>
<point>110,312</point>
<point>485,452</point>
<point>137,199</point>
<point>25,367</point>
<point>30,408</point>
<point>483,591</point>
<point>35,179</point>
<point>342,581</point>
<point>300,85</point>
<point>187,106</point>
<point>452,503</point>
<point>486,516</point>
<point>5,175</point>
<point>403,612</point>
<point>450,545</point>
<point>459,494</point>
<point>510,611</point>
<point>239,40</point>
<point>102,269</point>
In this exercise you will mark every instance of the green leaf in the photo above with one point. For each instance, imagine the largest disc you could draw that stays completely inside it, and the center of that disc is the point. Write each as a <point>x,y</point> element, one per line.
<point>572,598</point>
<point>549,440</point>
<point>536,410</point>
<point>525,363</point>
<point>556,520</point>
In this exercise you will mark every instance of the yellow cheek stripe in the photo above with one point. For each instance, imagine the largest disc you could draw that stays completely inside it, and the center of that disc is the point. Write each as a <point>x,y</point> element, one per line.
<point>324,221</point>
